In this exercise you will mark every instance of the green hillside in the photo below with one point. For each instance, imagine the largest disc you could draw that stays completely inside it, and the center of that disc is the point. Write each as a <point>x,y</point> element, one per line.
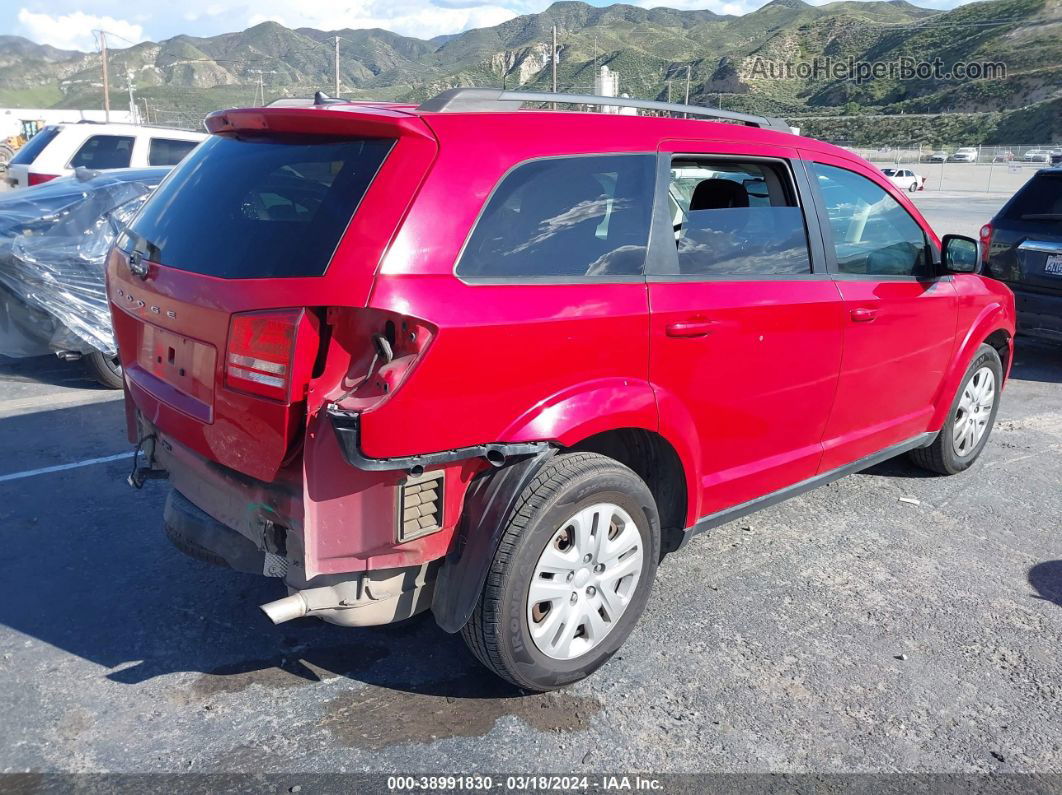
<point>182,78</point>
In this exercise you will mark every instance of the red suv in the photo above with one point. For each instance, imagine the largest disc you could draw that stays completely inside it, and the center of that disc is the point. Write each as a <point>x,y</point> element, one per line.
<point>496,363</point>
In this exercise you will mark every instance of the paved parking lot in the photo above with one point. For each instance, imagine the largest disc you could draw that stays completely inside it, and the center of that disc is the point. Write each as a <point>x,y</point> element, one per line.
<point>845,630</point>
<point>892,621</point>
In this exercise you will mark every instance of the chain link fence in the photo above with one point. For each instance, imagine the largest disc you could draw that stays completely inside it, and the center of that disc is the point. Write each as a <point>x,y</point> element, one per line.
<point>999,168</point>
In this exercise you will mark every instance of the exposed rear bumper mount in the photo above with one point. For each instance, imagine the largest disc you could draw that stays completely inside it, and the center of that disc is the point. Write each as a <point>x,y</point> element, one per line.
<point>347,425</point>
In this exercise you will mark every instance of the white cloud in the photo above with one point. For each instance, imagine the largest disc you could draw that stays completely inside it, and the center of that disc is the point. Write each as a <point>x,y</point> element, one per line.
<point>73,31</point>
<point>735,7</point>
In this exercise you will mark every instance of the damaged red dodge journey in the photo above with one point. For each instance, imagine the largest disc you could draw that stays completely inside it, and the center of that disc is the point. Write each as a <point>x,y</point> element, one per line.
<point>496,363</point>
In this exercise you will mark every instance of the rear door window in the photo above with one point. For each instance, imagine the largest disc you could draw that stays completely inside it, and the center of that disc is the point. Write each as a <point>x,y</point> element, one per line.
<point>34,146</point>
<point>168,151</point>
<point>734,219</point>
<point>253,208</point>
<point>577,217</point>
<point>104,151</point>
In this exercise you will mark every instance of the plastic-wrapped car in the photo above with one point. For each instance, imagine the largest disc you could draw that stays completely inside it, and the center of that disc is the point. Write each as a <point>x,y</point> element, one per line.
<point>54,241</point>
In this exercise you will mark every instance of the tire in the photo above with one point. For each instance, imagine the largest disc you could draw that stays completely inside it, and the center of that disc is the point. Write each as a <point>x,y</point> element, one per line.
<point>570,486</point>
<point>105,369</point>
<point>947,456</point>
<point>912,187</point>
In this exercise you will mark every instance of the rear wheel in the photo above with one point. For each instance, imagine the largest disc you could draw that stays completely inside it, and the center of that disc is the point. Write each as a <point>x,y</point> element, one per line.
<point>969,424</point>
<point>104,368</point>
<point>912,186</point>
<point>571,576</point>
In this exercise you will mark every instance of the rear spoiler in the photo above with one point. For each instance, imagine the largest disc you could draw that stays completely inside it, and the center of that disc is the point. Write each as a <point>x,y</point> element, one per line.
<point>332,119</point>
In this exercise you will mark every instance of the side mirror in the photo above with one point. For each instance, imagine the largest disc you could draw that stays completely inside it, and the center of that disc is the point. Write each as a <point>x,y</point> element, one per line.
<point>960,254</point>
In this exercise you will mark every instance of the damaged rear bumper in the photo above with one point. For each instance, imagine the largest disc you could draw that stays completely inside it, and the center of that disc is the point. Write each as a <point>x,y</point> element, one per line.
<point>354,600</point>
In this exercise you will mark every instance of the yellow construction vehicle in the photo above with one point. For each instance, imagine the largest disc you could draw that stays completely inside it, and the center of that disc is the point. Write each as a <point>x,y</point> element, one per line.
<point>11,144</point>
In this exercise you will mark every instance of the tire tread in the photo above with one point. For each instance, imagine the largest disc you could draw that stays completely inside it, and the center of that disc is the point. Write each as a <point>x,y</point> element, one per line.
<point>481,632</point>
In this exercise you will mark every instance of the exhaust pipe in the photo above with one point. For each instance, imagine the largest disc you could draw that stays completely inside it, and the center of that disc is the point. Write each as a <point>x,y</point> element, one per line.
<point>313,600</point>
<point>286,609</point>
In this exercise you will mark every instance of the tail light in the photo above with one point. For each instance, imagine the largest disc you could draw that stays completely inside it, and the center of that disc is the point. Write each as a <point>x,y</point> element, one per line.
<point>372,352</point>
<point>986,241</point>
<point>39,179</point>
<point>271,354</point>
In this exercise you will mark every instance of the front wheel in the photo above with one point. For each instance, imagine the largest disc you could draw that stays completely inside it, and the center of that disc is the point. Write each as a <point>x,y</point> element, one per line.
<point>571,576</point>
<point>969,423</point>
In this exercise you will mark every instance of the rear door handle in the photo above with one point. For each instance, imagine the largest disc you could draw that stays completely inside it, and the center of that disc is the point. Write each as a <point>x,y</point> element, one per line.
<point>864,315</point>
<point>690,328</point>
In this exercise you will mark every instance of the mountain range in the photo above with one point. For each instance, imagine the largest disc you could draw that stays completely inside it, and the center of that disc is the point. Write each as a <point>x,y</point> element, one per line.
<point>652,51</point>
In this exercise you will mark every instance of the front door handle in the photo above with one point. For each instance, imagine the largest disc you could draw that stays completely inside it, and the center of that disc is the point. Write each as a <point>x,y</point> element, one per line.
<point>690,328</point>
<point>864,314</point>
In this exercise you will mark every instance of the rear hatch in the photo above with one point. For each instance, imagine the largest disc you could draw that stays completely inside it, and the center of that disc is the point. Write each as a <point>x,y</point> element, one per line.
<point>1025,237</point>
<point>223,287</point>
<point>18,168</point>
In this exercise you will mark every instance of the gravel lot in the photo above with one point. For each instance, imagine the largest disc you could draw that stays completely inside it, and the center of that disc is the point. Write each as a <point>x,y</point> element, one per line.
<point>843,631</point>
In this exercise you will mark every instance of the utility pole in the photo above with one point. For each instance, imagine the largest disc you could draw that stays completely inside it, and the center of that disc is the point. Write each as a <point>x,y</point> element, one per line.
<point>336,94</point>
<point>688,70</point>
<point>260,85</point>
<point>669,91</point>
<point>106,89</point>
<point>553,61</point>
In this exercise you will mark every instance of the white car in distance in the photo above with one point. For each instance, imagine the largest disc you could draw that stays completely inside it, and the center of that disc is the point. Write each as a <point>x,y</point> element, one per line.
<point>905,179</point>
<point>58,149</point>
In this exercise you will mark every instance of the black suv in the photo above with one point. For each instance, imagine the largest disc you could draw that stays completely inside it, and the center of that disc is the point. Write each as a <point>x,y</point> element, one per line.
<point>1023,247</point>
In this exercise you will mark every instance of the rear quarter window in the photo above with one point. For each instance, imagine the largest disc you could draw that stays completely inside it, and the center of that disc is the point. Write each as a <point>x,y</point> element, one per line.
<point>168,151</point>
<point>565,217</point>
<point>254,208</point>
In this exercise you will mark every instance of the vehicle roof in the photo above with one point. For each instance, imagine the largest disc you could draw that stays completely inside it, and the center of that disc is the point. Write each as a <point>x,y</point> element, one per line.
<point>97,128</point>
<point>571,130</point>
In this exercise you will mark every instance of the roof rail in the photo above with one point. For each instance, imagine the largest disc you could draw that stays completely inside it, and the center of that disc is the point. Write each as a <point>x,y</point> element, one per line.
<point>482,100</point>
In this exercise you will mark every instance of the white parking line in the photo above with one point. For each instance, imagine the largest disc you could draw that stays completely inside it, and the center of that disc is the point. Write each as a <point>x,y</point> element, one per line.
<point>29,473</point>
<point>36,403</point>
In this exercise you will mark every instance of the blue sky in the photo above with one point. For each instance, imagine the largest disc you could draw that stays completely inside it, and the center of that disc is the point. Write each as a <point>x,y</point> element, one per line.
<point>69,23</point>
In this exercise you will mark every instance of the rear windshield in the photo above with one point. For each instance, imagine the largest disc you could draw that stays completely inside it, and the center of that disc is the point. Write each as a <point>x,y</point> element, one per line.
<point>34,146</point>
<point>246,209</point>
<point>1039,200</point>
<point>168,152</point>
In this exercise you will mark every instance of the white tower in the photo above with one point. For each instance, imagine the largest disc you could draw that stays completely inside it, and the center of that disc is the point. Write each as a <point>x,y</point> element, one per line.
<point>606,84</point>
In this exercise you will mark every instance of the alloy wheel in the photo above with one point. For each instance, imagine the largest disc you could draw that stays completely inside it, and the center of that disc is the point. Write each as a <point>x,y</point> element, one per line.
<point>974,411</point>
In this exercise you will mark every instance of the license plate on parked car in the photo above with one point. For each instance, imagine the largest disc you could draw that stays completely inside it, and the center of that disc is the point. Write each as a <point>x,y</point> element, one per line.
<point>1054,265</point>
